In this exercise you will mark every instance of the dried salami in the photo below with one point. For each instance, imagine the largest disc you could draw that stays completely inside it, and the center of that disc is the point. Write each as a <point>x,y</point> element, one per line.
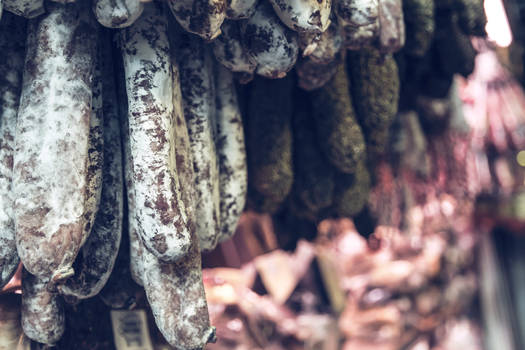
<point>304,15</point>
<point>12,39</point>
<point>51,154</point>
<point>97,256</point>
<point>176,296</point>
<point>43,318</point>
<point>231,152</point>
<point>161,216</point>
<point>273,46</point>
<point>229,51</point>
<point>198,97</point>
<point>24,8</point>
<point>117,13</point>
<point>201,17</point>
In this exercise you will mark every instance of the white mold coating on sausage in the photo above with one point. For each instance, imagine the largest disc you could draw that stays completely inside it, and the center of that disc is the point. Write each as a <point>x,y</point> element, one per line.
<point>231,152</point>
<point>101,248</point>
<point>240,9</point>
<point>175,293</point>
<point>198,96</point>
<point>359,22</point>
<point>273,46</point>
<point>12,40</point>
<point>95,153</point>
<point>229,51</point>
<point>328,45</point>
<point>43,318</point>
<point>161,216</point>
<point>201,17</point>
<point>50,162</point>
<point>117,13</point>
<point>304,15</point>
<point>25,8</point>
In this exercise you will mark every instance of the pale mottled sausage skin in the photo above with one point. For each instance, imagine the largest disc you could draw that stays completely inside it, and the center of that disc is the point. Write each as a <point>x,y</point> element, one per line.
<point>198,96</point>
<point>324,56</point>
<point>25,8</point>
<point>201,17</point>
<point>391,26</point>
<point>12,40</point>
<point>43,318</point>
<point>273,46</point>
<point>312,76</point>
<point>161,216</point>
<point>328,45</point>
<point>231,151</point>
<point>240,9</point>
<point>117,13</point>
<point>51,154</point>
<point>304,15</point>
<point>95,153</point>
<point>229,51</point>
<point>359,22</point>
<point>135,265</point>
<point>101,248</point>
<point>175,291</point>
<point>176,296</point>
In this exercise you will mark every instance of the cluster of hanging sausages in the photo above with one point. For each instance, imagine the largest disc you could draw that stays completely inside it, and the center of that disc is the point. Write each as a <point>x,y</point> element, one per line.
<point>122,150</point>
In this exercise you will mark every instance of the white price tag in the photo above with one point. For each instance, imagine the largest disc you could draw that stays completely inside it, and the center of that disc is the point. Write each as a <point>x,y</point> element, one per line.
<point>130,330</point>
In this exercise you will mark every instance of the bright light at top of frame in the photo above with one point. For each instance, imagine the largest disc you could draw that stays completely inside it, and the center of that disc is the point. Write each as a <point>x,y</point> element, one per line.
<point>497,28</point>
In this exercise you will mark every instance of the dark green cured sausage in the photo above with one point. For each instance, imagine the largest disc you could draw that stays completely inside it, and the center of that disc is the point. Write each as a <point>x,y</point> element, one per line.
<point>454,49</point>
<point>375,94</point>
<point>313,182</point>
<point>338,133</point>
<point>471,17</point>
<point>351,191</point>
<point>269,138</point>
<point>419,25</point>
